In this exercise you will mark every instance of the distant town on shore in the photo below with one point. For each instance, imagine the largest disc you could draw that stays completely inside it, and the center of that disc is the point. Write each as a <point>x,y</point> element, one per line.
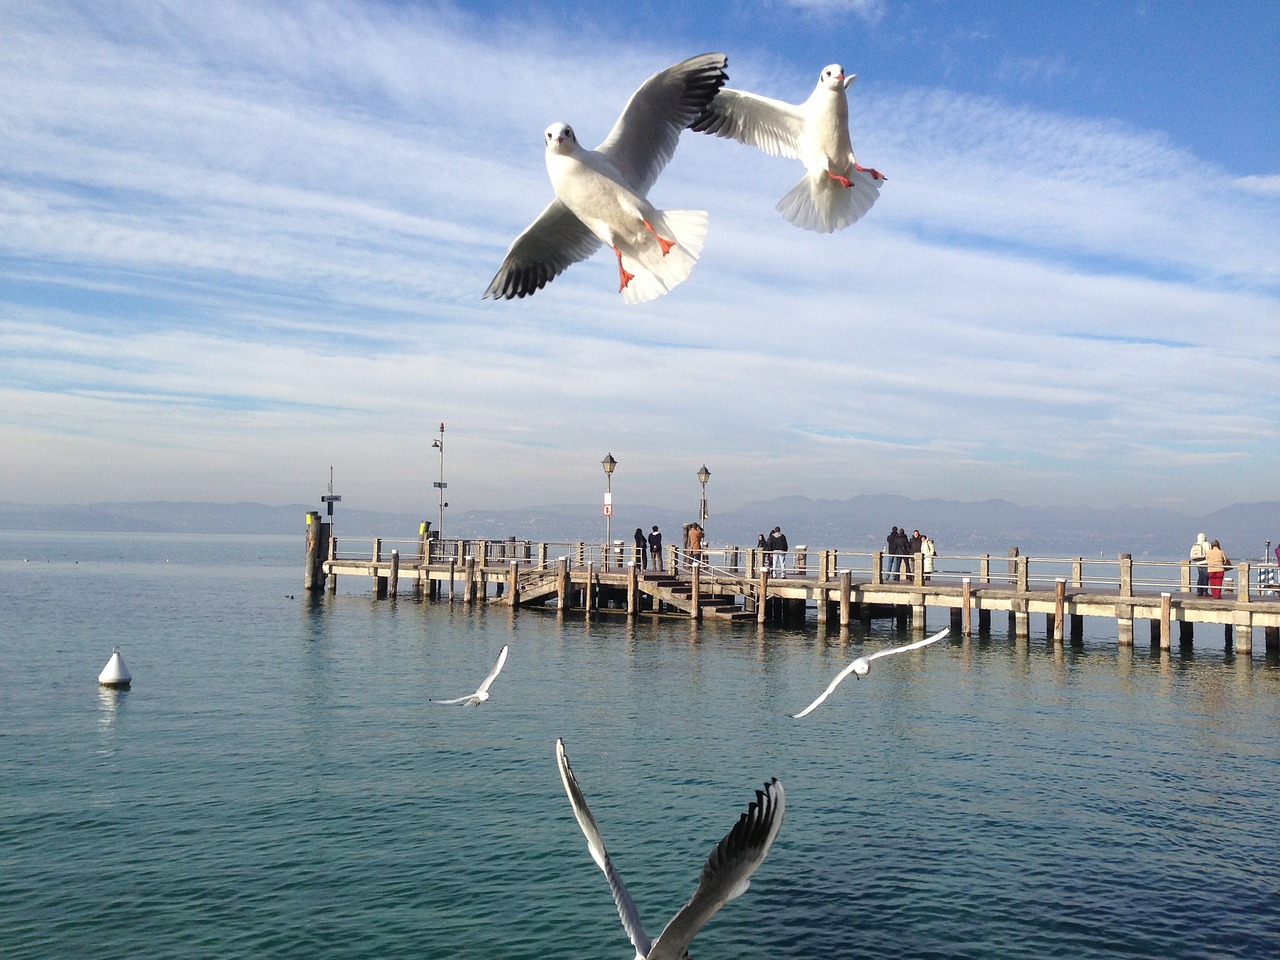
<point>860,523</point>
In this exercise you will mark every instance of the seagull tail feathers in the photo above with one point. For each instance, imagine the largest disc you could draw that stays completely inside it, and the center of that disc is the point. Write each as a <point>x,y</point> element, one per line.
<point>656,274</point>
<point>821,204</point>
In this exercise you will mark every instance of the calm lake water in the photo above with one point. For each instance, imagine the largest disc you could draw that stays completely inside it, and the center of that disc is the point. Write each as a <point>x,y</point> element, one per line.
<point>278,784</point>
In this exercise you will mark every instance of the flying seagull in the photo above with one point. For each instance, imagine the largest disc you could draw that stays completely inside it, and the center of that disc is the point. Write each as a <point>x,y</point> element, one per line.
<point>602,194</point>
<point>863,664</point>
<point>835,190</point>
<point>725,875</point>
<point>481,694</point>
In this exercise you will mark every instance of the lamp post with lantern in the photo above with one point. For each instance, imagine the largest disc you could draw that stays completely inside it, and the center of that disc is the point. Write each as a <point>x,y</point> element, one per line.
<point>609,465</point>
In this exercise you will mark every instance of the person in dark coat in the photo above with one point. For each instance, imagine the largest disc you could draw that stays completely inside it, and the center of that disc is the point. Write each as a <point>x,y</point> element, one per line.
<point>642,549</point>
<point>895,555</point>
<point>655,547</point>
<point>779,541</point>
<point>914,546</point>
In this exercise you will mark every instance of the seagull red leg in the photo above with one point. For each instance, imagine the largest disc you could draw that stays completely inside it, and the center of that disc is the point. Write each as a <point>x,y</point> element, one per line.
<point>623,277</point>
<point>843,181</point>
<point>876,174</point>
<point>666,245</point>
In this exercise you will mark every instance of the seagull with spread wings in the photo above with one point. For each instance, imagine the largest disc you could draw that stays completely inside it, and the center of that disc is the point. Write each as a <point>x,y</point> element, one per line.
<point>481,694</point>
<point>602,194</point>
<point>836,190</point>
<point>862,666</point>
<point>725,875</point>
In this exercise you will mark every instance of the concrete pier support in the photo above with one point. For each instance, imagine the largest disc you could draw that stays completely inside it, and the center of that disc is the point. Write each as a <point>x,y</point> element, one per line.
<point>1244,635</point>
<point>1166,609</point>
<point>1124,624</point>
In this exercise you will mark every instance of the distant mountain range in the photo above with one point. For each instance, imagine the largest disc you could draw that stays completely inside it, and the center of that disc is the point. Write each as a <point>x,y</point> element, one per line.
<point>860,523</point>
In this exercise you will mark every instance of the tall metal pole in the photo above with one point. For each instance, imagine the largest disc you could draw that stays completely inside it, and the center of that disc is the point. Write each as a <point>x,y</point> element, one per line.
<point>703,476</point>
<point>440,485</point>
<point>609,465</point>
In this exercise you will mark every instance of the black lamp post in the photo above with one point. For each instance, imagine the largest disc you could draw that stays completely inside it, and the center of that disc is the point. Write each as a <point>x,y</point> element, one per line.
<point>609,465</point>
<point>703,476</point>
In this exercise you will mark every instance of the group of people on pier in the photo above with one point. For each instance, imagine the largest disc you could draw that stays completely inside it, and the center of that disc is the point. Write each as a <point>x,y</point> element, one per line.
<point>1211,564</point>
<point>903,549</point>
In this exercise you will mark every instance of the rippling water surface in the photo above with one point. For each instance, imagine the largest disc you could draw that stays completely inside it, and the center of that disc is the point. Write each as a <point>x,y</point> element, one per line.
<point>277,783</point>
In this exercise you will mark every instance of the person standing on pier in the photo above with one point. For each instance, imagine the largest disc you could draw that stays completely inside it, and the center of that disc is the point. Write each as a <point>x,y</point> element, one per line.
<point>642,549</point>
<point>1216,561</point>
<point>778,544</point>
<point>762,545</point>
<point>696,535</point>
<point>928,551</point>
<point>1200,550</point>
<point>891,548</point>
<point>655,548</point>
<point>914,545</point>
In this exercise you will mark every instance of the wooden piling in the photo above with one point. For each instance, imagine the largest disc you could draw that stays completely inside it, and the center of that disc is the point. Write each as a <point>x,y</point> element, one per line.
<point>513,583</point>
<point>965,617</point>
<point>562,585</point>
<point>394,585</point>
<point>695,599</point>
<point>633,588</point>
<point>1059,608</point>
<point>762,608</point>
<point>313,570</point>
<point>469,580</point>
<point>1166,635</point>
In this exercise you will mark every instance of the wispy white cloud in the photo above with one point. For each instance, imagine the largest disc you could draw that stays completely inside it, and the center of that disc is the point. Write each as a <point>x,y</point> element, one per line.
<point>239,244</point>
<point>872,11</point>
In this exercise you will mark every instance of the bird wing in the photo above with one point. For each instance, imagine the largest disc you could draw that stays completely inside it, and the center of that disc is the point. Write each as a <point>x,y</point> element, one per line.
<point>727,872</point>
<point>825,693</point>
<point>497,668</point>
<point>469,698</point>
<point>644,138</point>
<point>627,912</point>
<point>766,124</point>
<point>910,646</point>
<point>545,250</point>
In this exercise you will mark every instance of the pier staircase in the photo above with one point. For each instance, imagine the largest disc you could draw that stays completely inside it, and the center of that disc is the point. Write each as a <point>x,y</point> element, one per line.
<point>678,593</point>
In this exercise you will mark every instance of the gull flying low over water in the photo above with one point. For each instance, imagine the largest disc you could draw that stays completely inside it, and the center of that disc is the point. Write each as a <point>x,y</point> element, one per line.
<point>481,694</point>
<point>725,875</point>
<point>863,664</point>
<point>601,194</point>
<point>835,190</point>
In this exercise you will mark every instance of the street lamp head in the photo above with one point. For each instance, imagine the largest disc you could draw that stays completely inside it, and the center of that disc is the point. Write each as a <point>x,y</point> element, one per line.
<point>608,463</point>
<point>704,474</point>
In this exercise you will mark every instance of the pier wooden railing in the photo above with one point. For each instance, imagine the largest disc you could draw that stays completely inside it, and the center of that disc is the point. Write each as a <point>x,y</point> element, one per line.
<point>1123,576</point>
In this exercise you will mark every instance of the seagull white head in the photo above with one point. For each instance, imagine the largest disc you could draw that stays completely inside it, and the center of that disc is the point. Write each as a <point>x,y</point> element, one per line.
<point>558,135</point>
<point>833,77</point>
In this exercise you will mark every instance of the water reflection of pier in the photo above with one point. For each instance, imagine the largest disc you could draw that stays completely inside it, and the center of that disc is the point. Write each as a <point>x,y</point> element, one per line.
<point>835,586</point>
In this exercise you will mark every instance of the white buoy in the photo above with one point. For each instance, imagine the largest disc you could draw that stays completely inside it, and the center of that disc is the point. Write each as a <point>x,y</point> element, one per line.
<point>115,673</point>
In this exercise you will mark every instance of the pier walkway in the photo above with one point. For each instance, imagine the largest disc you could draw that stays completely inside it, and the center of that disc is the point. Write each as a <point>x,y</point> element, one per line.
<point>838,586</point>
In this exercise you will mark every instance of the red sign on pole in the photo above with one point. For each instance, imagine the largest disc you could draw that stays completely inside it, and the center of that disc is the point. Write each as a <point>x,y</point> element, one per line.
<point>608,509</point>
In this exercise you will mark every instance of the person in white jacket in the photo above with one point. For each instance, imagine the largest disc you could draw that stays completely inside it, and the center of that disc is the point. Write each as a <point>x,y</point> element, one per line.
<point>1199,551</point>
<point>927,552</point>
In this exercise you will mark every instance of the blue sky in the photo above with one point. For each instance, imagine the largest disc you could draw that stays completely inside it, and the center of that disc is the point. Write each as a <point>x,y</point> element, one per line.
<point>240,243</point>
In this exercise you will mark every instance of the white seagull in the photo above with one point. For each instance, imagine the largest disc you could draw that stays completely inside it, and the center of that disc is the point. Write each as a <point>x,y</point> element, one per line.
<point>601,194</point>
<point>725,875</point>
<point>835,191</point>
<point>863,664</point>
<point>481,694</point>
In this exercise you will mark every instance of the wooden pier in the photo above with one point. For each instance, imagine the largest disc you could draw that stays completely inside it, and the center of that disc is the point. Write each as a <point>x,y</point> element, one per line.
<point>839,586</point>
